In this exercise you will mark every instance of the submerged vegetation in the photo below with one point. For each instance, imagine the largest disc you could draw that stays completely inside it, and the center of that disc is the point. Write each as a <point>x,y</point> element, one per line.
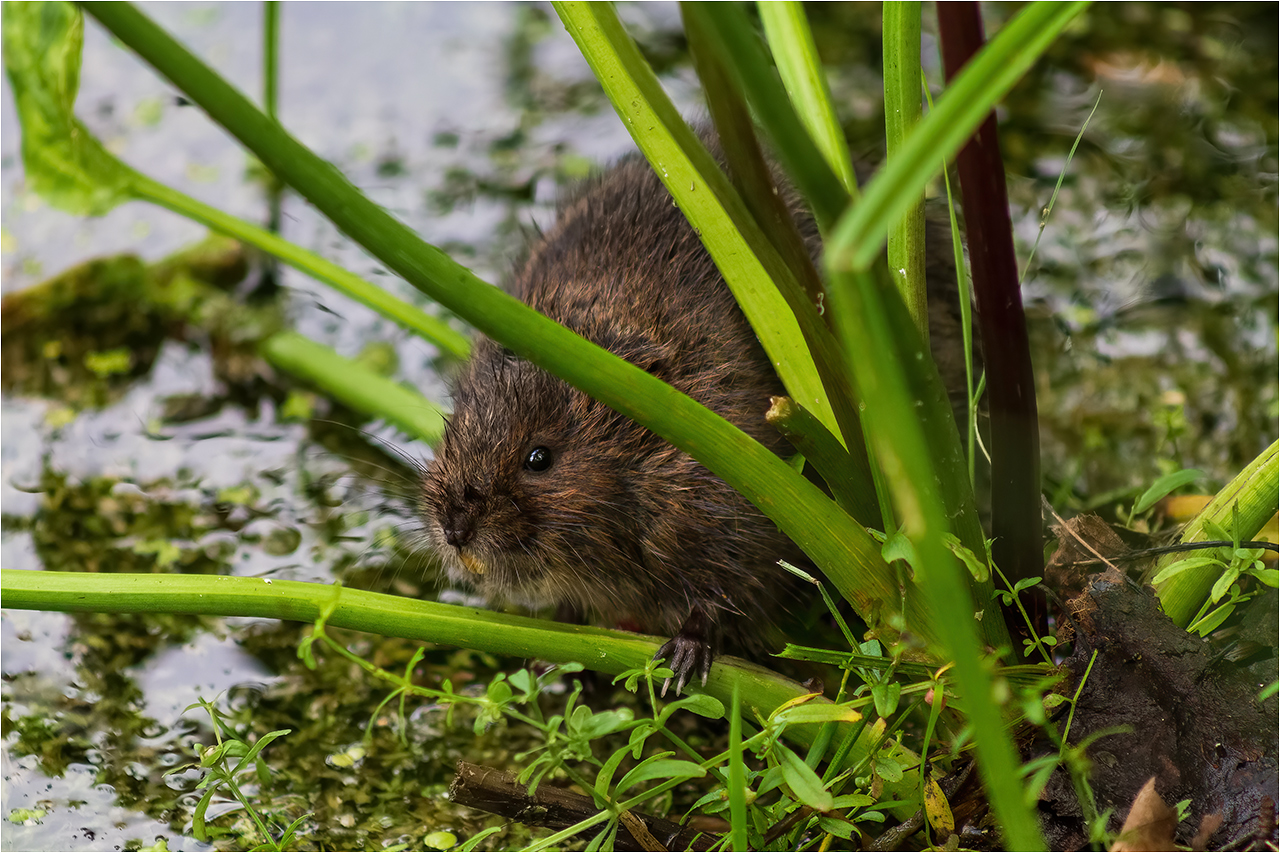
<point>344,732</point>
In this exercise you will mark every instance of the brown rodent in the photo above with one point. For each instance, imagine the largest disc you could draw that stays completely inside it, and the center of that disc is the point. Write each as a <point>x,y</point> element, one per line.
<point>540,495</point>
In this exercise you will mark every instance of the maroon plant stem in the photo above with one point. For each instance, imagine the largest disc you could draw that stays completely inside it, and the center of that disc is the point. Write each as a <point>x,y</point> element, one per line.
<point>1015,435</point>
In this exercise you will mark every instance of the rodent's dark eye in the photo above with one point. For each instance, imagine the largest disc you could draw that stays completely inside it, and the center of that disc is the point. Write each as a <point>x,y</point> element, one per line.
<point>539,459</point>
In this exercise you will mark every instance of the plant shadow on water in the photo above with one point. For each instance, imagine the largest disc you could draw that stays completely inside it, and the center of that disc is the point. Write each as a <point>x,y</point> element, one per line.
<point>163,445</point>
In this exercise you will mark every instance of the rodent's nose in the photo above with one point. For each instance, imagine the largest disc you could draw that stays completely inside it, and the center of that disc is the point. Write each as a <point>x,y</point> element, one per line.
<point>459,529</point>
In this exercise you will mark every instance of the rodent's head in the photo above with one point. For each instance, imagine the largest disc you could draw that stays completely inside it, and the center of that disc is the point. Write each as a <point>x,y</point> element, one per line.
<point>530,495</point>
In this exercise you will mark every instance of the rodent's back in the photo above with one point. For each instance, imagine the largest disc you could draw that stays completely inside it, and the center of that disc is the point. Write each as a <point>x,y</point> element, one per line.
<point>625,269</point>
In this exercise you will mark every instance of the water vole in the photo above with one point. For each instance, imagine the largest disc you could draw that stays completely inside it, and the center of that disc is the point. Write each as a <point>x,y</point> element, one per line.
<point>539,495</point>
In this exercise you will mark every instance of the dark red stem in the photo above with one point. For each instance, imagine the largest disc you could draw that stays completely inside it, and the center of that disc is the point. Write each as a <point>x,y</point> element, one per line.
<point>1011,395</point>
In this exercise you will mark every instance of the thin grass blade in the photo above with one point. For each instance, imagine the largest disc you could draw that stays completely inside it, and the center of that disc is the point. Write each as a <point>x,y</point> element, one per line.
<point>791,42</point>
<point>901,114</point>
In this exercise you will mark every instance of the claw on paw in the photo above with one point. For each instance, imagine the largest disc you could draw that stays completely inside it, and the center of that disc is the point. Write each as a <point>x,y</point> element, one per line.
<point>690,652</point>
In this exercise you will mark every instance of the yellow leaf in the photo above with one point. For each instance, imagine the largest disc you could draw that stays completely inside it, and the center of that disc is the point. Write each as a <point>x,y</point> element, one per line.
<point>938,810</point>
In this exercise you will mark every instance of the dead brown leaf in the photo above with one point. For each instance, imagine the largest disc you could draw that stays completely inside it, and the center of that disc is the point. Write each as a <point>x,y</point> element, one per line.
<point>1209,824</point>
<point>1150,823</point>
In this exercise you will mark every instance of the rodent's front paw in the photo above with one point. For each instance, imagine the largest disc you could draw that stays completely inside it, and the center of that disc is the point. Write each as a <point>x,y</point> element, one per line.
<point>688,652</point>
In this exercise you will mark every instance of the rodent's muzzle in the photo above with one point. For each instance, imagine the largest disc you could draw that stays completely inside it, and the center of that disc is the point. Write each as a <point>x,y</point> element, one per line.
<point>458,524</point>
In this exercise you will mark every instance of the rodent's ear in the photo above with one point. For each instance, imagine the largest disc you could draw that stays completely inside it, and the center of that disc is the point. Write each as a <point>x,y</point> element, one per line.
<point>656,366</point>
<point>647,354</point>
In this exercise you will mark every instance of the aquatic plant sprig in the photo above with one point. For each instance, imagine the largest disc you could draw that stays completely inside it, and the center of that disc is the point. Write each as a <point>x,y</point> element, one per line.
<point>218,773</point>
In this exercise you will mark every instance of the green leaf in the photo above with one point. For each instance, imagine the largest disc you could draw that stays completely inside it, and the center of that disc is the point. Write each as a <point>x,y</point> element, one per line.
<point>1164,486</point>
<point>213,755</point>
<point>198,816</point>
<point>1035,784</point>
<point>1270,577</point>
<point>853,801</point>
<point>438,840</point>
<point>978,568</point>
<point>630,678</point>
<point>1183,565</point>
<point>1223,584</point>
<point>1213,530</point>
<point>592,726</point>
<point>1026,583</point>
<point>252,753</point>
<point>605,777</point>
<point>769,780</point>
<point>817,712</point>
<point>1247,557</point>
<point>663,768</point>
<point>472,842</point>
<point>1053,700</point>
<point>523,681</point>
<point>63,162</point>
<point>899,547</point>
<point>499,691</point>
<point>712,803</point>
<point>638,736</point>
<point>887,769</point>
<point>1210,622</point>
<point>697,703</point>
<point>802,780</point>
<point>837,827</point>
<point>886,696</point>
<point>603,838</point>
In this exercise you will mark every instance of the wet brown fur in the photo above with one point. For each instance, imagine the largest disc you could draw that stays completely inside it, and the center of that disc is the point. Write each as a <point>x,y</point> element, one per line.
<point>622,526</point>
